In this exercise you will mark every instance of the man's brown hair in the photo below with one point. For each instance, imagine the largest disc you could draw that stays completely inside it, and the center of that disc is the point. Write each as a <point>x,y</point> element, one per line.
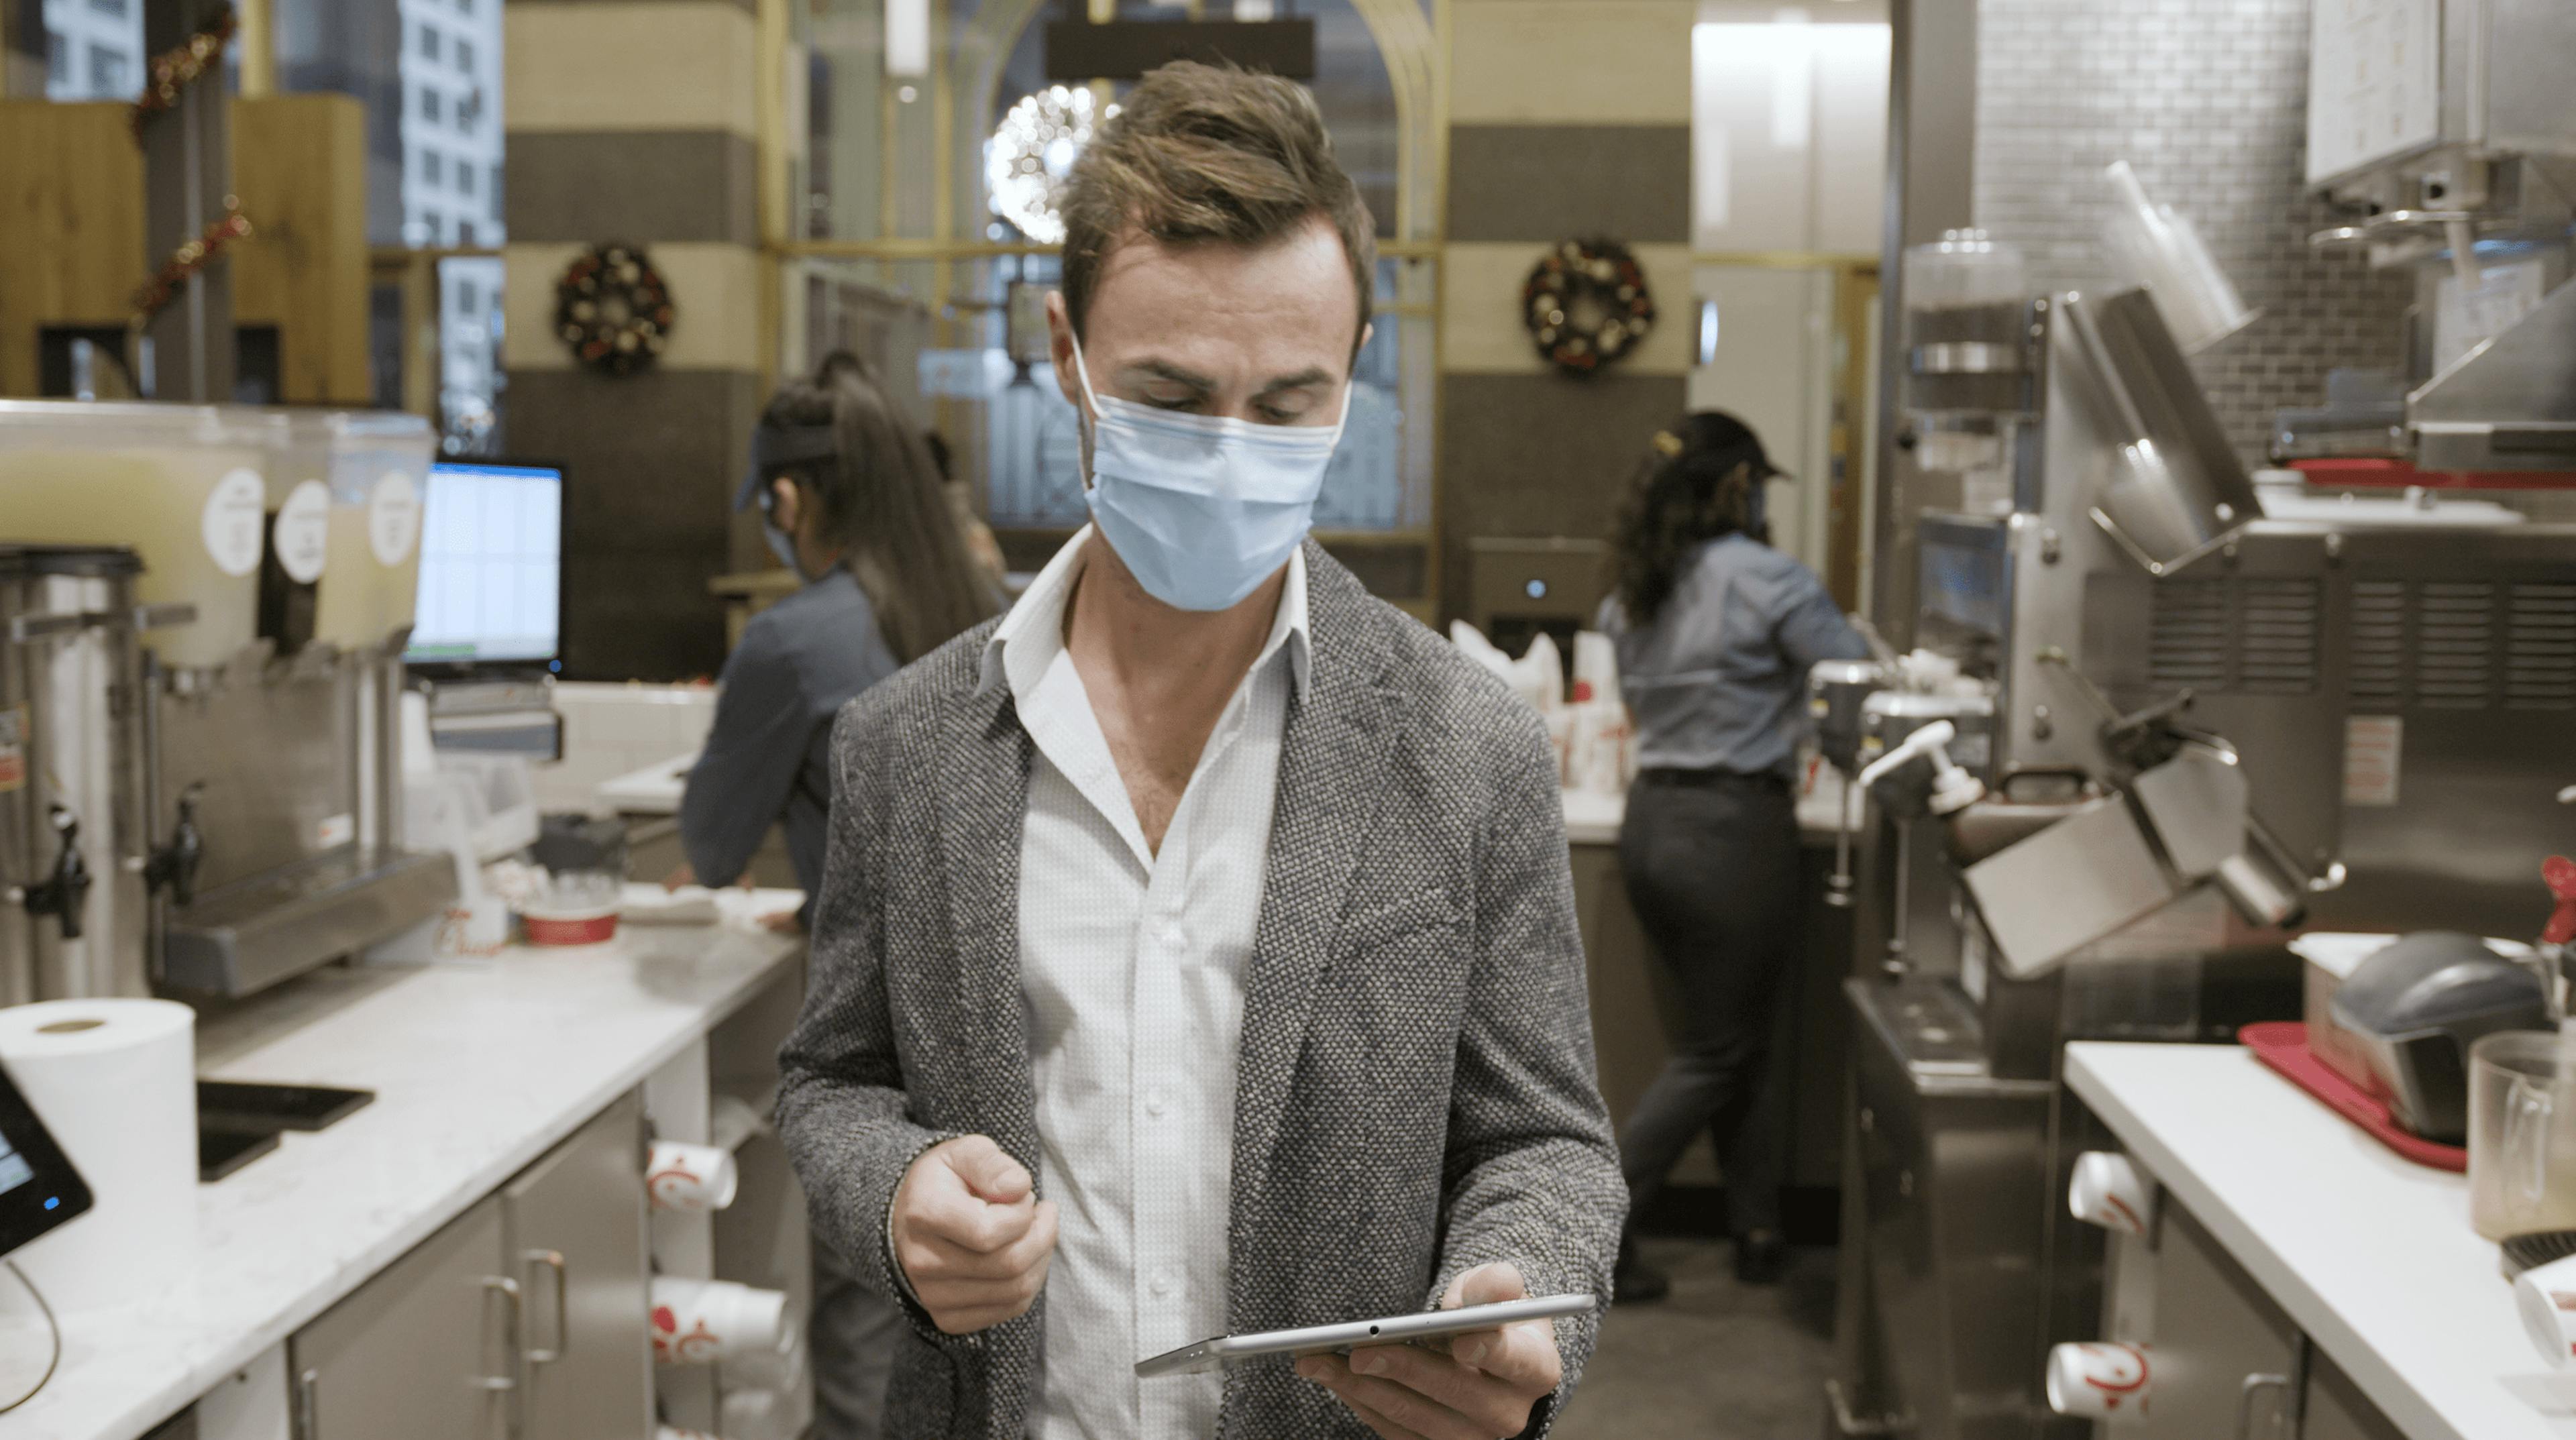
<point>1201,152</point>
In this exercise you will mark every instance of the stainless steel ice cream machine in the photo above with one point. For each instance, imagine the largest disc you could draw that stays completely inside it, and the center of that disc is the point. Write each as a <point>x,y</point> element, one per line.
<point>2142,733</point>
<point>202,615</point>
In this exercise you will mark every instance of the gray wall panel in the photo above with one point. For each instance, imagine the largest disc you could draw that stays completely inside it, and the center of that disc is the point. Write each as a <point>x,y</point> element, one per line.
<point>651,462</point>
<point>1537,455</point>
<point>1556,182</point>
<point>636,185</point>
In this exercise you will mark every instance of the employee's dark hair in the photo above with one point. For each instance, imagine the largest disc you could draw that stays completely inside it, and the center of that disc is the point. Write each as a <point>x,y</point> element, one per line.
<point>1695,485</point>
<point>880,498</point>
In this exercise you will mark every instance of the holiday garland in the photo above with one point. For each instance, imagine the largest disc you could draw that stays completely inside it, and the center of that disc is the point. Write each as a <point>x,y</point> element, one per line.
<point>1579,276</point>
<point>613,309</point>
<point>173,71</point>
<point>189,261</point>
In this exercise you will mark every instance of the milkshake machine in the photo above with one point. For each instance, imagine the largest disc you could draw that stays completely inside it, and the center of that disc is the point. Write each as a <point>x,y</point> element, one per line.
<point>202,615</point>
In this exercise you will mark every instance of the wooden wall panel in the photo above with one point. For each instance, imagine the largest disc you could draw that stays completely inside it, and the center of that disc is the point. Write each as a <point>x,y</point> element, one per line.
<point>71,185</point>
<point>71,181</point>
<point>300,168</point>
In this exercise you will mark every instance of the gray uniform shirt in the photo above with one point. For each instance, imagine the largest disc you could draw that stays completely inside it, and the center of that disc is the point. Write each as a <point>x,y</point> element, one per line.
<point>1719,681</point>
<point>768,759</point>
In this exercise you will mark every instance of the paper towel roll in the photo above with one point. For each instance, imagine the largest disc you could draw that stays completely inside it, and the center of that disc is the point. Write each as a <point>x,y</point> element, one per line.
<point>115,1081</point>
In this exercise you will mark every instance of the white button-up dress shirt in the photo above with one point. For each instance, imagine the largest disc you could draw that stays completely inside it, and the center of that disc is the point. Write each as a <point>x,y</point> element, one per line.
<point>1132,968</point>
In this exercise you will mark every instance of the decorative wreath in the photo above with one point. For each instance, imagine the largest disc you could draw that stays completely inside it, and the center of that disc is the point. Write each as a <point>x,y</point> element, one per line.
<point>613,310</point>
<point>1586,304</point>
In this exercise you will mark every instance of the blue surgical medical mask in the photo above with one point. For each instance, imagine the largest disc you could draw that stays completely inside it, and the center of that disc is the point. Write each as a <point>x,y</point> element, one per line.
<point>1202,509</point>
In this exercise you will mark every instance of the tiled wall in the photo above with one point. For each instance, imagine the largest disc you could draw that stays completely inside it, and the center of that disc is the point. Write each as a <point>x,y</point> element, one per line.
<point>613,730</point>
<point>2207,100</point>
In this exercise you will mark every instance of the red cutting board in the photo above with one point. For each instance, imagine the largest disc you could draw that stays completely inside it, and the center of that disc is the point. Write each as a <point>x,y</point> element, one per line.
<point>2283,1045</point>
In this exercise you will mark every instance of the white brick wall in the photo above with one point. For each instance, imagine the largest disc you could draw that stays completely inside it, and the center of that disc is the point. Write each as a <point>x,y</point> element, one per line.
<point>2207,100</point>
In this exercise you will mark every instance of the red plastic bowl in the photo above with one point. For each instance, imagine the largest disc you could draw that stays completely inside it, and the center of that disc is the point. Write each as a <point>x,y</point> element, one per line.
<point>589,926</point>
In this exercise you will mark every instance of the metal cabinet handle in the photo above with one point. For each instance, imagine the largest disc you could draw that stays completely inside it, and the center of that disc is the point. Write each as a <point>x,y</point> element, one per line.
<point>307,1420</point>
<point>2256,1385</point>
<point>553,1260</point>
<point>509,1289</point>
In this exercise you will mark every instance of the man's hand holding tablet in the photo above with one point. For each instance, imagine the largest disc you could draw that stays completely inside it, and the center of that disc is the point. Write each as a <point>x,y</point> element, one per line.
<point>1482,1388</point>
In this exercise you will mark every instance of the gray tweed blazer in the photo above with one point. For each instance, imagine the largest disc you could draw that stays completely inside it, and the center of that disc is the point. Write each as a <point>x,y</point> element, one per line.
<point>1416,1093</point>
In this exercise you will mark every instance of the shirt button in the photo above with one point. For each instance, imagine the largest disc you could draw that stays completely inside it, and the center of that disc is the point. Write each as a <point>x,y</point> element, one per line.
<point>1155,1102</point>
<point>1162,1283</point>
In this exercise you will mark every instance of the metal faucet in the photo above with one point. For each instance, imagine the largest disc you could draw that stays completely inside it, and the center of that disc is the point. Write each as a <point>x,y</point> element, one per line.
<point>64,893</point>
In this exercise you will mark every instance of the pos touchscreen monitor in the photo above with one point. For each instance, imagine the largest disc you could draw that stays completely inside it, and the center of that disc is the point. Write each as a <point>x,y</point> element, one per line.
<point>38,1187</point>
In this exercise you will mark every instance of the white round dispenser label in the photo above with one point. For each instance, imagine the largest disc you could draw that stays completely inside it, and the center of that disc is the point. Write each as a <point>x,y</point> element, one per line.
<point>303,531</point>
<point>393,518</point>
<point>236,513</point>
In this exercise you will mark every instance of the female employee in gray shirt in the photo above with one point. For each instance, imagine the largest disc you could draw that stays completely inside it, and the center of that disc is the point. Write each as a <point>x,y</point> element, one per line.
<point>1715,631</point>
<point>850,501</point>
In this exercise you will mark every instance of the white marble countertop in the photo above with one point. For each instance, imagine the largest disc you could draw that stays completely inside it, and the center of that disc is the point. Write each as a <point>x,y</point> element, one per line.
<point>1592,818</point>
<point>478,1069</point>
<point>653,790</point>
<point>2370,1254</point>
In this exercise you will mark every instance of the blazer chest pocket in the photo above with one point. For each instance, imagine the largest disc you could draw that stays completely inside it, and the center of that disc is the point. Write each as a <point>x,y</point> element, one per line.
<point>1416,918</point>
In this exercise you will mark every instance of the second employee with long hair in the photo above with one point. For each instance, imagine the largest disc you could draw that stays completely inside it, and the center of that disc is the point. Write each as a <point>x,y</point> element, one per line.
<point>851,502</point>
<point>1716,632</point>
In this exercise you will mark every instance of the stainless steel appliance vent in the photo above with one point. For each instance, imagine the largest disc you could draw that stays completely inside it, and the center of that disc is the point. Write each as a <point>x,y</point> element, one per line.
<point>2455,634</point>
<point>2237,635</point>
<point>2379,645</point>
<point>2540,648</point>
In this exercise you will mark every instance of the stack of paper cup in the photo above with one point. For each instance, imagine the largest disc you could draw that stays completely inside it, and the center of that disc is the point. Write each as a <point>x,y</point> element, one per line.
<point>689,1178</point>
<point>115,1083</point>
<point>699,1322</point>
<point>2108,1191</point>
<point>2098,1381</point>
<point>2546,1296</point>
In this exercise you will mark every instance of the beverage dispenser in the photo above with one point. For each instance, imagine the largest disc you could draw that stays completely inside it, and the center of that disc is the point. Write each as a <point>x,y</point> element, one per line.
<point>250,832</point>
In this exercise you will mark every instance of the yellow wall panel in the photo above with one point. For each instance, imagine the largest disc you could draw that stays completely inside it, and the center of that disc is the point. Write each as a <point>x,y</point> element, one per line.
<point>715,288</point>
<point>652,65</point>
<point>1480,317</point>
<point>1545,62</point>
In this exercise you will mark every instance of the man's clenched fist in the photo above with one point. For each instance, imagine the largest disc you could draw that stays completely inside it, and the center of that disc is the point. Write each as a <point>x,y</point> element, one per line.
<point>971,1235</point>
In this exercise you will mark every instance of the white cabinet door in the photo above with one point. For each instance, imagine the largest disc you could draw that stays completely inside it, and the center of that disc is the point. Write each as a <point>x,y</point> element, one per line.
<point>577,1246</point>
<point>424,1351</point>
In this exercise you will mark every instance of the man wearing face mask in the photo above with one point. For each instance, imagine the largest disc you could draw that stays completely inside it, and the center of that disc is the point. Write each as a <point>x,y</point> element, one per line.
<point>1196,950</point>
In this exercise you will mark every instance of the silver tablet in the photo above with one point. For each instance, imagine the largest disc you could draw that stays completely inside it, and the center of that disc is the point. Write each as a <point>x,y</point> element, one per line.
<point>1337,1339</point>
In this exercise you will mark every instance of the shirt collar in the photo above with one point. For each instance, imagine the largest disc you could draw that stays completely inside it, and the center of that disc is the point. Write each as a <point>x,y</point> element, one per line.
<point>1032,635</point>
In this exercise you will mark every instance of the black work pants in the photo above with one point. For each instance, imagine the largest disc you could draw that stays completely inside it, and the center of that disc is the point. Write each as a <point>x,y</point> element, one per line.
<point>1711,865</point>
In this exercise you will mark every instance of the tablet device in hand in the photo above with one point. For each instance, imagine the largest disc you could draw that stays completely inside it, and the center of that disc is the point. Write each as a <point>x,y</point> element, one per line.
<point>1340,1339</point>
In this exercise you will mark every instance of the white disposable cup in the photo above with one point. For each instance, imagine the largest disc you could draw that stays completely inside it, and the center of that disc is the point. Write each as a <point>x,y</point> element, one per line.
<point>674,1432</point>
<point>689,1178</point>
<point>2546,1297</point>
<point>700,1322</point>
<point>2107,1190</point>
<point>2098,1380</point>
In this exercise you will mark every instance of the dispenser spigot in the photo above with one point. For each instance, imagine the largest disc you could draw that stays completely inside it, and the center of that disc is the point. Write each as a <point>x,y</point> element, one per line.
<point>175,864</point>
<point>64,893</point>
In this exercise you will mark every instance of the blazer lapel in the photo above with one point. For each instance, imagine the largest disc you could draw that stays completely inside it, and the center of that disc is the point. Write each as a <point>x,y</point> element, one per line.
<point>1330,757</point>
<point>985,763</point>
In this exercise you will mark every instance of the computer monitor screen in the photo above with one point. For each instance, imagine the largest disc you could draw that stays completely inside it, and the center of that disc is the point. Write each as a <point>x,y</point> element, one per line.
<point>491,565</point>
